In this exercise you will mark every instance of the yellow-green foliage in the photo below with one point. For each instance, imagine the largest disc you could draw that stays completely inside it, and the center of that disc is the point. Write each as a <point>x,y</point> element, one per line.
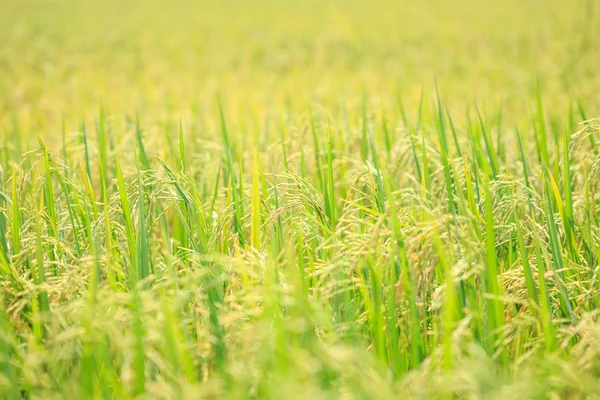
<point>299,199</point>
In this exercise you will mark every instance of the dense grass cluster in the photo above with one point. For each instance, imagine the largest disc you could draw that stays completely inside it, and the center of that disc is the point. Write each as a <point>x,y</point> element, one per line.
<point>313,200</point>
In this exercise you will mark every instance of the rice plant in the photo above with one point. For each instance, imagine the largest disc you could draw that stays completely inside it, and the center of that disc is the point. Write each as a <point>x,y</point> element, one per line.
<point>300,200</point>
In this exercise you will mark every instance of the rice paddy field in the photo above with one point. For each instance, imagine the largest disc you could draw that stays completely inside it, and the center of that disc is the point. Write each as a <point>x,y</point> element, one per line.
<point>299,199</point>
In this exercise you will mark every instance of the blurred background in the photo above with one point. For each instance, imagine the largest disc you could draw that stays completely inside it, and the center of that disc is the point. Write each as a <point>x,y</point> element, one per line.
<point>61,59</point>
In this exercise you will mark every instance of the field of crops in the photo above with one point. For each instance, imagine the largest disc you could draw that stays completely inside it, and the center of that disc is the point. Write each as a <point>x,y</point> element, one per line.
<point>299,199</point>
